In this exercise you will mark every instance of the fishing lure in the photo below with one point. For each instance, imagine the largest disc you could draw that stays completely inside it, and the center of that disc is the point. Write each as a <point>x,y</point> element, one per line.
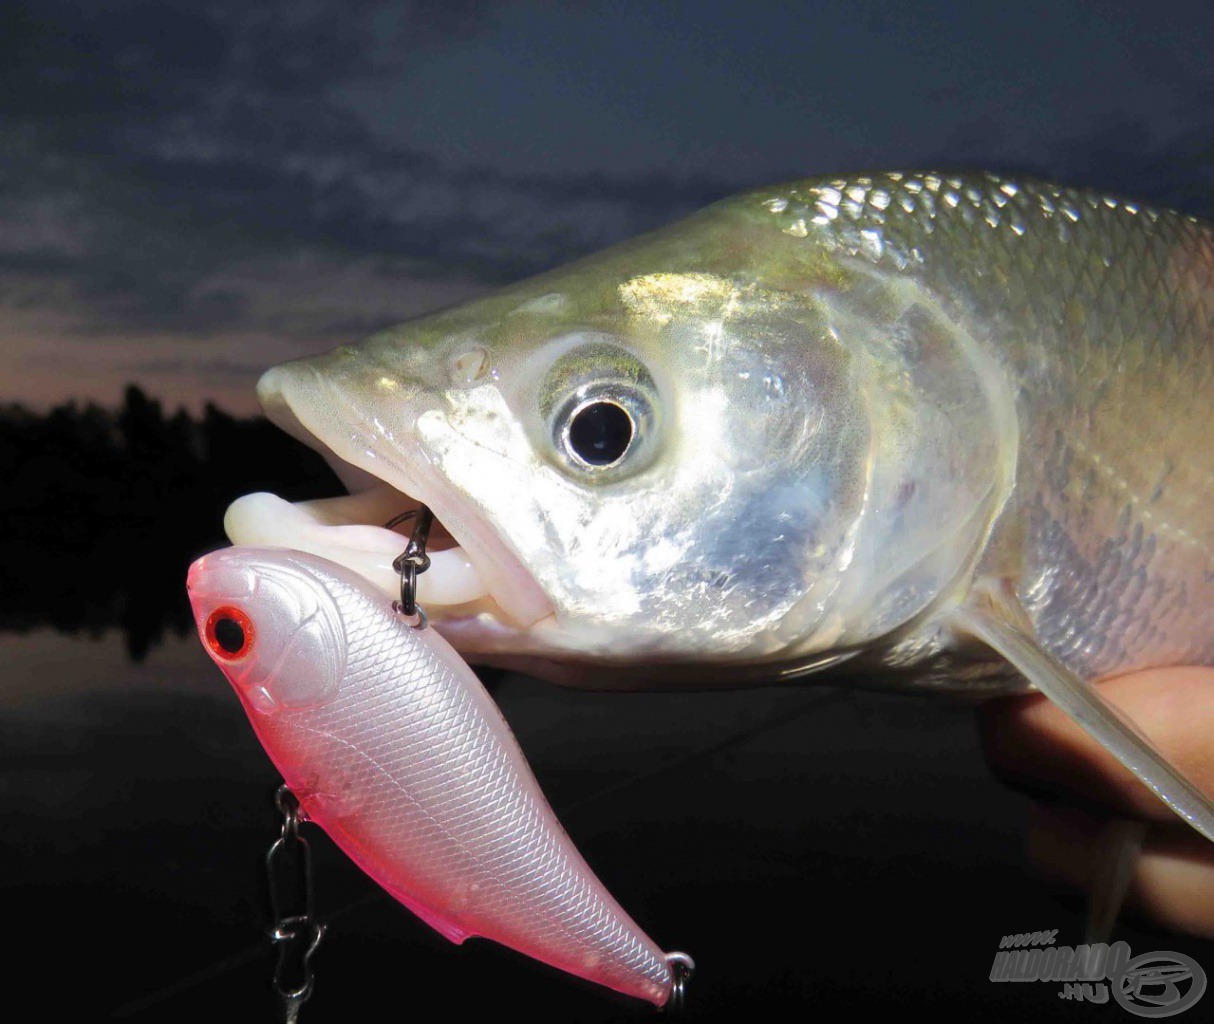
<point>394,748</point>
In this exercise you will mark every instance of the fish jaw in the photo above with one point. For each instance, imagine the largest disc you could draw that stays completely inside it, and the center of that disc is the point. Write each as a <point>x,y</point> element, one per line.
<point>479,579</point>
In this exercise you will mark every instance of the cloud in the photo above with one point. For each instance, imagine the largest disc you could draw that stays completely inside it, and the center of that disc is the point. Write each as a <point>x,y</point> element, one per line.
<point>190,170</point>
<point>157,146</point>
<point>115,60</point>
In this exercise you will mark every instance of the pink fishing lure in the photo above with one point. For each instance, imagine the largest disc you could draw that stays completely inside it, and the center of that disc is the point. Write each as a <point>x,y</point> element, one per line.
<point>395,749</point>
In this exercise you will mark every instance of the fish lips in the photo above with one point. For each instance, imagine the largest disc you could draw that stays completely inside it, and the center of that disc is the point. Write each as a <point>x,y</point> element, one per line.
<point>312,407</point>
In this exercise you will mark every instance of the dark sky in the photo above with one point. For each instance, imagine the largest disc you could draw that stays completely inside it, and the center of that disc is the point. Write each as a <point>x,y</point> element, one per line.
<point>191,191</point>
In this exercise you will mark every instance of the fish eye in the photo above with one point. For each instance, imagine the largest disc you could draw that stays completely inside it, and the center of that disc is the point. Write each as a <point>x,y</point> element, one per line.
<point>600,433</point>
<point>600,411</point>
<point>603,426</point>
<point>229,633</point>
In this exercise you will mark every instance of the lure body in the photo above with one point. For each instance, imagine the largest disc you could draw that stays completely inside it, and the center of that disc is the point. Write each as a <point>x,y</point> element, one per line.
<point>395,749</point>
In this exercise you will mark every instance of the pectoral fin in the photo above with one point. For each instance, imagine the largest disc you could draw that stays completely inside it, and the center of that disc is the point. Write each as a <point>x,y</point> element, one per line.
<point>996,617</point>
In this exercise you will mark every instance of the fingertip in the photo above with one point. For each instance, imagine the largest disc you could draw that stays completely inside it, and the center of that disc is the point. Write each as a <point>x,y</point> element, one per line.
<point>1030,743</point>
<point>1173,879</point>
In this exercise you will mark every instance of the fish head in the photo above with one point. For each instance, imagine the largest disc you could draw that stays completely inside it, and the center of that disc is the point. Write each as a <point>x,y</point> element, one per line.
<point>272,626</point>
<point>698,446</point>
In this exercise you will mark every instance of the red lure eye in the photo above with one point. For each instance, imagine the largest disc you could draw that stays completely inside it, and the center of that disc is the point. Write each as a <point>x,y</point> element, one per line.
<point>229,633</point>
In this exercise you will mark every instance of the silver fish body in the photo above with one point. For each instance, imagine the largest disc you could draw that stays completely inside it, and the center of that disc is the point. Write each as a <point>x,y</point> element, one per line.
<point>395,749</point>
<point>849,402</point>
<point>1098,313</point>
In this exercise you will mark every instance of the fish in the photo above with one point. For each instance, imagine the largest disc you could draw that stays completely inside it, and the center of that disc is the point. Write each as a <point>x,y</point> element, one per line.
<point>393,747</point>
<point>913,430</point>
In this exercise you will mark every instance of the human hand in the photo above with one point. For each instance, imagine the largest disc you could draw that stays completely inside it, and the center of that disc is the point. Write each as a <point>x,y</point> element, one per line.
<point>1033,745</point>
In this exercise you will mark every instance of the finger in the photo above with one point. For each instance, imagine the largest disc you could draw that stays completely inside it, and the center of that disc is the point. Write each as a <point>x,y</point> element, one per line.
<point>1033,744</point>
<point>1173,880</point>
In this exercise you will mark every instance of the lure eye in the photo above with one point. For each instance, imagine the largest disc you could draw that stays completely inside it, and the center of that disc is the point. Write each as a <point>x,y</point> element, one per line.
<point>229,633</point>
<point>599,433</point>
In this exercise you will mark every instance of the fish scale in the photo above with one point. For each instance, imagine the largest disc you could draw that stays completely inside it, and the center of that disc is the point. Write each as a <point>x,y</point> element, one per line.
<point>1139,348</point>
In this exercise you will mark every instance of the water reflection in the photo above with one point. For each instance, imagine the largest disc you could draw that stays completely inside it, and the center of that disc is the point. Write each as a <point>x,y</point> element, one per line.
<point>102,511</point>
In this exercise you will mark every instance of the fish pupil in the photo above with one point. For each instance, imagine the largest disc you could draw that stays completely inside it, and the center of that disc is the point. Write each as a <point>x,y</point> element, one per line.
<point>229,634</point>
<point>600,433</point>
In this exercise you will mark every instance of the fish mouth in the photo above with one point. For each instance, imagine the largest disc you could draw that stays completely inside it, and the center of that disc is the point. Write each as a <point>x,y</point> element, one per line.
<point>474,579</point>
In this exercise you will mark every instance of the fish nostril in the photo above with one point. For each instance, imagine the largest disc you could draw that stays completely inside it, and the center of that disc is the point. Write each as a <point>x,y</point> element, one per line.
<point>470,365</point>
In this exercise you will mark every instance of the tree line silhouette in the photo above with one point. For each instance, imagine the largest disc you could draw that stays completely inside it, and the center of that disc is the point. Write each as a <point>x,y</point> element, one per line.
<point>102,511</point>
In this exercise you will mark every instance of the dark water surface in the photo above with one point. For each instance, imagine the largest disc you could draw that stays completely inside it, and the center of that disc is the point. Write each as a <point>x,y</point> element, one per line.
<point>817,851</point>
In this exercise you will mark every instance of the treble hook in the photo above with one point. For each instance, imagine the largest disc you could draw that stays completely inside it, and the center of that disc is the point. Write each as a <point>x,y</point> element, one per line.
<point>412,562</point>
